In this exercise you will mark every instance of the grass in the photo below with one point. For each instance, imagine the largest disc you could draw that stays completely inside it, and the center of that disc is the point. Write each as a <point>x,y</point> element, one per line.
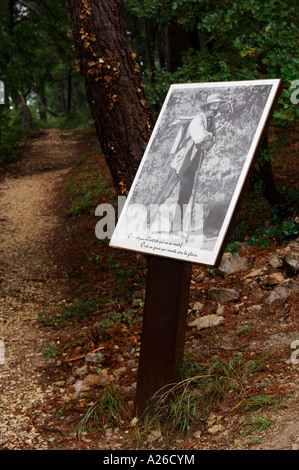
<point>87,185</point>
<point>186,405</point>
<point>108,410</point>
<point>111,319</point>
<point>259,402</point>
<point>86,196</point>
<point>85,304</point>
<point>52,352</point>
<point>254,425</point>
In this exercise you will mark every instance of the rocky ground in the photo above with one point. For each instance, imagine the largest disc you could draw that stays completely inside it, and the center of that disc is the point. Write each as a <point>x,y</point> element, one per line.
<point>52,372</point>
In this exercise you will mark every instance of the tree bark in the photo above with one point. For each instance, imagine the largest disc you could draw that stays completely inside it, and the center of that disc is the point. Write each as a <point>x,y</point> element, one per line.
<point>113,83</point>
<point>69,90</point>
<point>62,99</point>
<point>26,114</point>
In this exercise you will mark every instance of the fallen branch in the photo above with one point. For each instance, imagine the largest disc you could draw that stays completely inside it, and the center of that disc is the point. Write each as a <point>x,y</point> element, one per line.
<point>84,355</point>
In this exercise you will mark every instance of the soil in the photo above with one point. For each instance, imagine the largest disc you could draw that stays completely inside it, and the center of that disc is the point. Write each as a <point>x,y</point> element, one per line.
<point>47,256</point>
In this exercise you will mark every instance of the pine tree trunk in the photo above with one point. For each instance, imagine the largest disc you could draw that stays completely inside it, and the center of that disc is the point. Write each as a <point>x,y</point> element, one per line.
<point>26,114</point>
<point>270,191</point>
<point>178,41</point>
<point>113,83</point>
<point>62,99</point>
<point>69,90</point>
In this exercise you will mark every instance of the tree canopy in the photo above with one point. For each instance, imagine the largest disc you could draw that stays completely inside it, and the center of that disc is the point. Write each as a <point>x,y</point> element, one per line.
<point>226,41</point>
<point>36,65</point>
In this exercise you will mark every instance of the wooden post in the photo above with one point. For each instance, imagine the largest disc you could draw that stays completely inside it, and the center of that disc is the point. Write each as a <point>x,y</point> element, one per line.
<point>164,326</point>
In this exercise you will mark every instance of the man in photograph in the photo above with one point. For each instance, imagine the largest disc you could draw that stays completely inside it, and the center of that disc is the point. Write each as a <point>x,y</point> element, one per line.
<point>196,137</point>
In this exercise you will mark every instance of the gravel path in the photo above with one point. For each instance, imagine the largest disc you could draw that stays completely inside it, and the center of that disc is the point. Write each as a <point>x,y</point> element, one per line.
<point>29,280</point>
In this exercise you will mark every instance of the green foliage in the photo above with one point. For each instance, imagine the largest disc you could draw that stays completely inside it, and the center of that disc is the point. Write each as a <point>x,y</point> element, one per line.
<point>247,328</point>
<point>11,133</point>
<point>85,304</point>
<point>239,41</point>
<point>85,198</point>
<point>124,274</point>
<point>233,247</point>
<point>87,186</point>
<point>52,352</point>
<point>81,307</point>
<point>255,425</point>
<point>77,119</point>
<point>259,402</point>
<point>112,319</point>
<point>264,237</point>
<point>36,60</point>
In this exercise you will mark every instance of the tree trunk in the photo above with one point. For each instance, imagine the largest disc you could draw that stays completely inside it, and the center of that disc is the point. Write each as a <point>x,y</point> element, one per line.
<point>69,90</point>
<point>62,99</point>
<point>26,114</point>
<point>149,41</point>
<point>178,41</point>
<point>113,83</point>
<point>48,110</point>
<point>270,191</point>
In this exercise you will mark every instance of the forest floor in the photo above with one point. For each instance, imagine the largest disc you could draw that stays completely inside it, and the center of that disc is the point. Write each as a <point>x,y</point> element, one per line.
<point>70,322</point>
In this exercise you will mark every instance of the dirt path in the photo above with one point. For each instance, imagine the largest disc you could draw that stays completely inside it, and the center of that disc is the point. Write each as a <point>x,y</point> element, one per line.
<point>30,279</point>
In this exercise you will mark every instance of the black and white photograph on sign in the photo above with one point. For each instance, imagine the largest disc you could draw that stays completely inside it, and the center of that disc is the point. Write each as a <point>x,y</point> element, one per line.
<point>191,176</point>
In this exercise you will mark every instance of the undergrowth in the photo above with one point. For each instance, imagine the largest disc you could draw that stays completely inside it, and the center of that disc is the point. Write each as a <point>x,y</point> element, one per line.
<point>188,403</point>
<point>108,410</point>
<point>85,303</point>
<point>185,406</point>
<point>87,185</point>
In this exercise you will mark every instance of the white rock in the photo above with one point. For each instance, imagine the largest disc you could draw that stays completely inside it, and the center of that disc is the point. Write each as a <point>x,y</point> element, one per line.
<point>274,278</point>
<point>207,321</point>
<point>257,272</point>
<point>279,292</point>
<point>254,308</point>
<point>220,309</point>
<point>233,265</point>
<point>215,429</point>
<point>134,422</point>
<point>197,306</point>
<point>292,260</point>
<point>154,436</point>
<point>223,295</point>
<point>94,358</point>
<point>275,261</point>
<point>119,371</point>
<point>79,387</point>
<point>82,370</point>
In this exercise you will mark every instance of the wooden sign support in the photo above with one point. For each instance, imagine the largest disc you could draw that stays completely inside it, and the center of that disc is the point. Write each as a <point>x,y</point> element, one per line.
<point>164,326</point>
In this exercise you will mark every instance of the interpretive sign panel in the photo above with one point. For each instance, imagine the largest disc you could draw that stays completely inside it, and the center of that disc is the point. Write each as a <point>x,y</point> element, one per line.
<point>187,189</point>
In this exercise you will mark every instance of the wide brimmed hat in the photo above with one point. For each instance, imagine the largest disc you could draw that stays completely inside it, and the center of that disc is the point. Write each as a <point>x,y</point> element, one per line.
<point>214,98</point>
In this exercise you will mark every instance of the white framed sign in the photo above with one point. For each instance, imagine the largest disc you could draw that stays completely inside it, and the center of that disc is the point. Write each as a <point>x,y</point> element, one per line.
<point>190,181</point>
